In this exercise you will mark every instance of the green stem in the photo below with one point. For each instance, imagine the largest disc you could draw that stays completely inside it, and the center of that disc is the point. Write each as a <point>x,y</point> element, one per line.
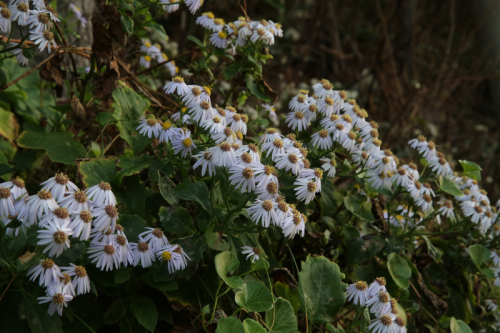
<point>80,319</point>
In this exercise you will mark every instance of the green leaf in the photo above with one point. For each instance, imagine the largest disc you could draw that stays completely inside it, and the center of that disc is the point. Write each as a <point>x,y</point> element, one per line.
<point>167,189</point>
<point>321,289</point>
<point>262,122</point>
<point>255,297</point>
<point>332,329</point>
<point>115,312</point>
<point>105,118</point>
<point>231,70</point>
<point>127,24</point>
<point>479,254</point>
<point>251,326</point>
<point>132,225</point>
<point>122,275</point>
<point>197,42</point>
<point>29,53</point>
<point>129,108</point>
<point>8,125</point>
<point>178,221</point>
<point>96,170</point>
<point>226,262</point>
<point>283,290</point>
<point>471,169</point>
<point>60,146</point>
<point>38,318</point>
<point>131,165</point>
<point>449,186</point>
<point>230,325</point>
<point>145,311</point>
<point>399,269</point>
<point>158,28</point>
<point>458,326</point>
<point>256,89</point>
<point>433,251</point>
<point>281,319</point>
<point>197,192</point>
<point>164,286</point>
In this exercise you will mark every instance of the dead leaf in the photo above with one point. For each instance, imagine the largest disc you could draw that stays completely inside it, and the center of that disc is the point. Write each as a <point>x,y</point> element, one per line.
<point>26,257</point>
<point>440,305</point>
<point>52,71</point>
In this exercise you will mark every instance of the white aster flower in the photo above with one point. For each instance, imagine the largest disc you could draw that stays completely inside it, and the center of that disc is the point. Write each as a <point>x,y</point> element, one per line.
<point>418,142</point>
<point>492,305</point>
<point>329,165</point>
<point>384,324</point>
<point>59,216</point>
<point>305,190</point>
<point>227,136</point>
<point>183,143</point>
<point>262,34</point>
<point>243,177</point>
<point>358,293</point>
<point>5,20</point>
<point>296,120</point>
<point>446,208</point>
<point>78,14</point>
<point>149,126</point>
<point>270,135</point>
<point>124,249</point>
<point>16,187</point>
<point>58,299</point>
<point>349,141</point>
<point>282,211</point>
<point>75,202</point>
<point>424,202</point>
<point>143,253</point>
<point>193,5</point>
<point>271,109</point>
<point>263,212</point>
<point>168,132</point>
<point>220,39</point>
<point>170,5</point>
<point>39,21</point>
<point>274,147</point>
<point>379,304</point>
<point>81,224</point>
<point>105,217</point>
<point>174,256</point>
<point>327,107</point>
<point>105,236</point>
<point>235,122</point>
<point>264,174</point>
<point>267,192</point>
<point>101,194</point>
<point>38,205</point>
<point>412,171</point>
<point>401,177</point>
<point>223,155</point>
<point>55,237</point>
<point>289,162</point>
<point>415,189</point>
<point>294,224</point>
<point>440,166</point>
<point>44,39</point>
<point>104,255</point>
<point>252,253</point>
<point>215,124</point>
<point>376,287</point>
<point>64,282</point>
<point>427,149</point>
<point>206,20</point>
<point>81,282</point>
<point>299,102</point>
<point>155,238</point>
<point>201,111</point>
<point>6,203</point>
<point>46,269</point>
<point>58,186</point>
<point>322,140</point>
<point>205,160</point>
<point>177,84</point>
<point>474,211</point>
<point>217,25</point>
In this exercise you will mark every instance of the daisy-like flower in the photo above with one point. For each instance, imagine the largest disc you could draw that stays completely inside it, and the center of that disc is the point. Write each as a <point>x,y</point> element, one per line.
<point>39,21</point>
<point>183,143</point>
<point>201,111</point>
<point>193,5</point>
<point>263,34</point>
<point>401,177</point>
<point>329,165</point>
<point>75,202</point>
<point>155,238</point>
<point>206,20</point>
<point>101,194</point>
<point>5,20</point>
<point>81,282</point>
<point>104,255</point>
<point>495,255</point>
<point>379,180</point>
<point>143,253</point>
<point>427,149</point>
<point>217,25</point>
<point>59,216</point>
<point>205,160</point>
<point>440,166</point>
<point>193,95</point>
<point>299,103</point>
<point>227,136</point>
<point>38,205</point>
<point>167,132</point>
<point>322,140</point>
<point>149,126</point>
<point>170,5</point>
<point>270,135</point>
<point>6,203</point>
<point>235,121</point>
<point>418,142</point>
<point>58,298</point>
<point>252,253</point>
<point>400,325</point>
<point>271,109</point>
<point>105,217</point>
<point>220,39</point>
<point>20,13</point>
<point>82,224</point>
<point>446,208</point>
<point>305,190</point>
<point>296,120</point>
<point>263,212</point>
<point>174,256</point>
<point>58,186</point>
<point>349,141</point>
<point>282,211</point>
<point>78,14</point>
<point>244,159</point>
<point>294,224</point>
<point>492,305</point>
<point>215,124</point>
<point>474,211</point>
<point>424,202</point>
<point>55,237</point>
<point>16,187</point>
<point>63,281</point>
<point>243,177</point>
<point>379,304</point>
<point>124,249</point>
<point>384,324</point>
<point>358,293</point>
<point>415,188</point>
<point>275,147</point>
<point>46,269</point>
<point>223,155</point>
<point>376,287</point>
<point>177,84</point>
<point>412,171</point>
<point>326,106</point>
<point>44,39</point>
<point>251,149</point>
<point>289,162</point>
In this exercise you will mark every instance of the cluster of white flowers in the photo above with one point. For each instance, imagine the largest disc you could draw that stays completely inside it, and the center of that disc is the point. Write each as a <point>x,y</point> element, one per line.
<point>173,5</point>
<point>61,210</point>
<point>154,52</point>
<point>380,303</point>
<point>240,32</point>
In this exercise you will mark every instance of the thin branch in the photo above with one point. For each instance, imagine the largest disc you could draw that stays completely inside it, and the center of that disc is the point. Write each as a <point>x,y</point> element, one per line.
<point>8,286</point>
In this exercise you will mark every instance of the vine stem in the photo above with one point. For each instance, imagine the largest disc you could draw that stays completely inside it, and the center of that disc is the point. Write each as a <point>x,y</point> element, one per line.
<point>81,320</point>
<point>8,286</point>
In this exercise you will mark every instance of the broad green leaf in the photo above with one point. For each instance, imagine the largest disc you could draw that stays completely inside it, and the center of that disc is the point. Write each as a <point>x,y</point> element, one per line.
<point>131,165</point>
<point>197,42</point>
<point>38,318</point>
<point>105,118</point>
<point>488,272</point>
<point>255,297</point>
<point>433,251</point>
<point>360,250</point>
<point>132,225</point>
<point>129,108</point>
<point>167,189</point>
<point>399,269</point>
<point>158,28</point>
<point>281,319</point>
<point>60,146</point>
<point>178,221</point>
<point>470,166</point>
<point>458,326</point>
<point>145,311</point>
<point>226,262</point>
<point>283,290</point>
<point>132,196</point>
<point>256,89</point>
<point>449,186</point>
<point>231,70</point>
<point>332,329</point>
<point>197,192</point>
<point>262,121</point>
<point>115,311</point>
<point>230,325</point>
<point>321,289</point>
<point>8,125</point>
<point>122,275</point>
<point>251,326</point>
<point>96,170</point>
<point>127,24</point>
<point>479,254</point>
